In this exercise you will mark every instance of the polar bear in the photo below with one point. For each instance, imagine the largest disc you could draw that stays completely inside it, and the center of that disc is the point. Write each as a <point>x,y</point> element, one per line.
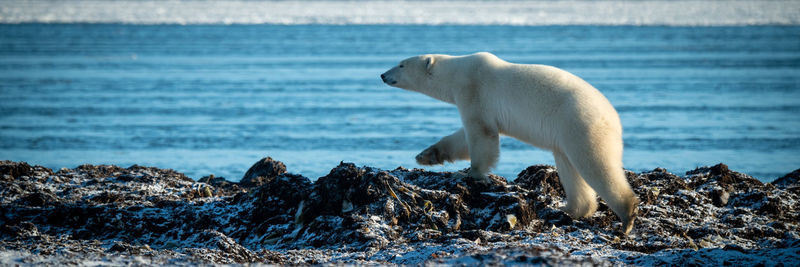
<point>540,105</point>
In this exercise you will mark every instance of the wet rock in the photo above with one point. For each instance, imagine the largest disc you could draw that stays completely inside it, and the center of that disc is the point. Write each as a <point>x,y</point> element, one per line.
<point>122,247</point>
<point>275,205</point>
<point>497,206</point>
<point>720,175</point>
<point>364,215</point>
<point>366,207</point>
<point>108,198</point>
<point>213,180</point>
<point>24,229</point>
<point>369,207</point>
<point>526,256</point>
<point>232,252</point>
<point>772,206</point>
<point>481,236</point>
<point>39,199</point>
<point>100,171</point>
<point>649,186</point>
<point>789,181</point>
<point>542,179</point>
<point>555,217</point>
<point>261,171</point>
<point>719,197</point>
<point>14,169</point>
<point>734,247</point>
<point>221,186</point>
<point>445,181</point>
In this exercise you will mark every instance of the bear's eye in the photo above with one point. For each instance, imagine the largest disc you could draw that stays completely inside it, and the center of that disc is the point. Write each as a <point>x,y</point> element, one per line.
<point>401,66</point>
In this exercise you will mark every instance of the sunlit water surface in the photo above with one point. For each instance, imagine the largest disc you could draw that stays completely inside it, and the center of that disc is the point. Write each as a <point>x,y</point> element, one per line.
<point>205,99</point>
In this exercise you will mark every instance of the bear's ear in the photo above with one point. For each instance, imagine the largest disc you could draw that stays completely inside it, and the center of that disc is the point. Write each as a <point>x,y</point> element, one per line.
<point>429,64</point>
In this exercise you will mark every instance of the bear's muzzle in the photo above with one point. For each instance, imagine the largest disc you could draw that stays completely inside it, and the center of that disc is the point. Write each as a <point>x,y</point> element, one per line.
<point>387,80</point>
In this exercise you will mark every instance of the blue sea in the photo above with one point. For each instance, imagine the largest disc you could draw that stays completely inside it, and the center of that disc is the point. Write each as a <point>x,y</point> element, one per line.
<point>213,99</point>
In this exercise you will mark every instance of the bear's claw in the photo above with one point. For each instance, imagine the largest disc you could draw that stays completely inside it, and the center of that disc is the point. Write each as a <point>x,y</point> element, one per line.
<point>627,226</point>
<point>429,156</point>
<point>627,223</point>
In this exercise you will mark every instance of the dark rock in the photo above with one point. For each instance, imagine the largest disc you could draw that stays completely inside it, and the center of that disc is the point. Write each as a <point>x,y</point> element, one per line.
<point>221,186</point>
<point>719,197</point>
<point>370,207</point>
<point>763,203</point>
<point>108,197</point>
<point>496,206</point>
<point>99,171</point>
<point>722,172</point>
<point>261,171</point>
<point>331,191</point>
<point>276,202</point>
<point>233,251</point>
<point>482,236</point>
<point>772,206</point>
<point>15,169</point>
<point>555,217</point>
<point>24,229</point>
<point>445,181</point>
<point>720,175</point>
<point>129,249</point>
<point>524,256</point>
<point>734,247</point>
<point>541,179</point>
<point>650,186</point>
<point>214,181</point>
<point>39,199</point>
<point>377,214</point>
<point>341,206</point>
<point>790,180</point>
<point>667,183</point>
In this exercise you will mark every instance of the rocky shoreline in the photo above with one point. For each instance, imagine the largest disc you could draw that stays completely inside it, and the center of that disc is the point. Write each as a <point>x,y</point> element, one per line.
<point>361,215</point>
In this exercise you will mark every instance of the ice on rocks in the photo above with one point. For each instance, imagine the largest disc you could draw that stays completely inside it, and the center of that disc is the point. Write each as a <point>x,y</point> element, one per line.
<point>363,215</point>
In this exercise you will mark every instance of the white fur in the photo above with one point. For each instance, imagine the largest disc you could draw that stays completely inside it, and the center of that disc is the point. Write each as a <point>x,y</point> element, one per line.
<point>541,105</point>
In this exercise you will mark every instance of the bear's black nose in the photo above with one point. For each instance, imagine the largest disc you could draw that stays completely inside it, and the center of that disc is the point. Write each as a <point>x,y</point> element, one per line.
<point>383,76</point>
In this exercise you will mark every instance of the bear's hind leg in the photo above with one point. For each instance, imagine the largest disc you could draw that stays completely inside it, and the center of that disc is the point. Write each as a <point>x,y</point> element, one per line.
<point>581,198</point>
<point>602,167</point>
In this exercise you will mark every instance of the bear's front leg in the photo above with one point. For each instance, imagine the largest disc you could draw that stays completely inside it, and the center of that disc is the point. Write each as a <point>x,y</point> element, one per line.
<point>450,148</point>
<point>483,143</point>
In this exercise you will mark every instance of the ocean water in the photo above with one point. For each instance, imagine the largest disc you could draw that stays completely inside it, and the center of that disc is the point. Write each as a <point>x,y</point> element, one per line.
<point>205,99</point>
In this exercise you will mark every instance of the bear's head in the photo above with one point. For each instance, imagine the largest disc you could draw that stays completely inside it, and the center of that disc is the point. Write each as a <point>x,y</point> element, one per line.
<point>413,73</point>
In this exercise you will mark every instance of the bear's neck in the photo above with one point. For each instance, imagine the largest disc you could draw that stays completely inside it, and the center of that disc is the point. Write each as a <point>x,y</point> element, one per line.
<point>441,93</point>
<point>445,83</point>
